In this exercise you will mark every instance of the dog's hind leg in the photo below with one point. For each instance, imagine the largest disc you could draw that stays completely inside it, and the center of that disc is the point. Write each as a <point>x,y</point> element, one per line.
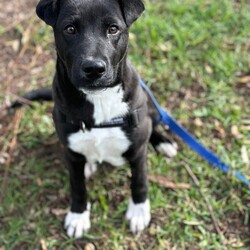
<point>77,220</point>
<point>160,140</point>
<point>163,144</point>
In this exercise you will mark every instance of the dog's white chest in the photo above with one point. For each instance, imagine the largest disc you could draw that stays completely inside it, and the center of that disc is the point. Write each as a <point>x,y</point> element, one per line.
<point>100,145</point>
<point>103,144</point>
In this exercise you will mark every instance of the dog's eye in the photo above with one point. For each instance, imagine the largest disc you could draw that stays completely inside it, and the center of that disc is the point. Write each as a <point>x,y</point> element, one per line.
<point>113,29</point>
<point>70,29</point>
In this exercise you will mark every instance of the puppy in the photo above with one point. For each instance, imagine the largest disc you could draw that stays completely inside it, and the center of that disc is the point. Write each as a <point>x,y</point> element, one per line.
<point>100,111</point>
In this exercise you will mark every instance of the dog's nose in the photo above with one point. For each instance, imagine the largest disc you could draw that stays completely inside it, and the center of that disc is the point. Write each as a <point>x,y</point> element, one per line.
<point>93,69</point>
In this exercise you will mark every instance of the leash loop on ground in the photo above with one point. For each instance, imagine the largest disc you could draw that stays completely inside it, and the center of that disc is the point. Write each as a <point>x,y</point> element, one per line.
<point>190,140</point>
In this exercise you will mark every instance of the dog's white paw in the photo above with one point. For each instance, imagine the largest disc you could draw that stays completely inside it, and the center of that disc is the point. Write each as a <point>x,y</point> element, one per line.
<point>89,169</point>
<point>77,224</point>
<point>138,215</point>
<point>168,149</point>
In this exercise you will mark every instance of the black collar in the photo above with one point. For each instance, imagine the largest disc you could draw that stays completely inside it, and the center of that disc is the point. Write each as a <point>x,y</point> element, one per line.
<point>130,120</point>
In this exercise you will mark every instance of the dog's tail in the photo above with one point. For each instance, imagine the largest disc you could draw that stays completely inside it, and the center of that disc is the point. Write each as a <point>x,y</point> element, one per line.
<point>41,94</point>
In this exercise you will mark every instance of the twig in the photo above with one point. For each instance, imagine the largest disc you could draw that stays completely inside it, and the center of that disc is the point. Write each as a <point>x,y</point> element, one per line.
<point>28,32</point>
<point>4,110</point>
<point>20,98</point>
<point>210,209</point>
<point>17,120</point>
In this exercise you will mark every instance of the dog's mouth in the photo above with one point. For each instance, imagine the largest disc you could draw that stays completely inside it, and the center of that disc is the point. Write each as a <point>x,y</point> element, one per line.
<point>93,90</point>
<point>97,88</point>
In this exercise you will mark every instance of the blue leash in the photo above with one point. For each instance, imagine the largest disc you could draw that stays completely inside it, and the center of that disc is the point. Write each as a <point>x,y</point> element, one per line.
<point>190,140</point>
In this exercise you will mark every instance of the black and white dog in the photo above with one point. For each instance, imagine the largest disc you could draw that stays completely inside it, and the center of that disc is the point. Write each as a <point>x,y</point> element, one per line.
<point>100,112</point>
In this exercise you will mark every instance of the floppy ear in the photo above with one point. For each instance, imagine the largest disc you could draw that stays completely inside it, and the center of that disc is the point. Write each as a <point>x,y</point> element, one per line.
<point>47,10</point>
<point>131,9</point>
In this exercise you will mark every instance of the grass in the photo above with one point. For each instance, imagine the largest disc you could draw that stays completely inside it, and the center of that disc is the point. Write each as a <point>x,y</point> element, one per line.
<point>192,54</point>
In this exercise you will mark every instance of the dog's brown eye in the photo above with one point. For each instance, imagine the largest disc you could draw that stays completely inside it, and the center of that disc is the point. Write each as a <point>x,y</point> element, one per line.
<point>113,29</point>
<point>70,29</point>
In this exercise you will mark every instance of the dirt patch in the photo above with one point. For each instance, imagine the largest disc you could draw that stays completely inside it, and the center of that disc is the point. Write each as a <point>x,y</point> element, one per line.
<point>16,11</point>
<point>22,59</point>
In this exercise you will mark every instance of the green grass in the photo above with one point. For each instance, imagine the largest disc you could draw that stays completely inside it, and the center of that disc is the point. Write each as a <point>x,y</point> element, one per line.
<point>190,53</point>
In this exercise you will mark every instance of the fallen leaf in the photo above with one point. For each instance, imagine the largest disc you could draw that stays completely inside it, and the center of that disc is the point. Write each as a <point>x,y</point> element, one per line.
<point>43,244</point>
<point>153,229</point>
<point>245,128</point>
<point>234,242</point>
<point>192,223</point>
<point>244,155</point>
<point>39,182</point>
<point>246,121</point>
<point>26,36</point>
<point>133,245</point>
<point>234,131</point>
<point>208,69</point>
<point>164,182</point>
<point>244,79</point>
<point>165,47</point>
<point>219,128</point>
<point>59,211</point>
<point>89,246</point>
<point>15,44</point>
<point>198,122</point>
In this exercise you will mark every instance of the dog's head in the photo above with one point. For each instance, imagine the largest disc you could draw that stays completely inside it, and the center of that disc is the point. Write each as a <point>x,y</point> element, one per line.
<point>91,37</point>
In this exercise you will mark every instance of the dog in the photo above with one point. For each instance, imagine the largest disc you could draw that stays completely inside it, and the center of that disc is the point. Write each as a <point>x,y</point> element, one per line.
<point>101,113</point>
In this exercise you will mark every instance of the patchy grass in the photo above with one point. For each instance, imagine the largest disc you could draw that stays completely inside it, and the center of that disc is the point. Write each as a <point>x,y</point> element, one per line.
<point>195,56</point>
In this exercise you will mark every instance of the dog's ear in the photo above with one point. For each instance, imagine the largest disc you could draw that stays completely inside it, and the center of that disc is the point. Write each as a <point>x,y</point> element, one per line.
<point>131,9</point>
<point>47,10</point>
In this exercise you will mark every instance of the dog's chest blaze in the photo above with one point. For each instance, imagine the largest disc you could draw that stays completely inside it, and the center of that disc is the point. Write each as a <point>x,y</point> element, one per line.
<point>103,144</point>
<point>100,145</point>
<point>108,104</point>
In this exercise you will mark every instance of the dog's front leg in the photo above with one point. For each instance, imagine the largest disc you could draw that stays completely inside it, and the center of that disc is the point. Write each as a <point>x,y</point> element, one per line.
<point>77,220</point>
<point>138,212</point>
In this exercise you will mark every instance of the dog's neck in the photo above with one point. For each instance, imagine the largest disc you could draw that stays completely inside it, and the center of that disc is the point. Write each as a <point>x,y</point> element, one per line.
<point>108,104</point>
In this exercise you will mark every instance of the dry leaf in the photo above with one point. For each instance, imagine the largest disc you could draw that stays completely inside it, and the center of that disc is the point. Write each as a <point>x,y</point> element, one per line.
<point>244,154</point>
<point>26,36</point>
<point>192,223</point>
<point>220,129</point>
<point>244,79</point>
<point>246,121</point>
<point>39,182</point>
<point>164,182</point>
<point>153,229</point>
<point>235,132</point>
<point>245,128</point>
<point>165,47</point>
<point>89,246</point>
<point>59,211</point>
<point>198,122</point>
<point>234,242</point>
<point>208,69</point>
<point>15,44</point>
<point>43,244</point>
